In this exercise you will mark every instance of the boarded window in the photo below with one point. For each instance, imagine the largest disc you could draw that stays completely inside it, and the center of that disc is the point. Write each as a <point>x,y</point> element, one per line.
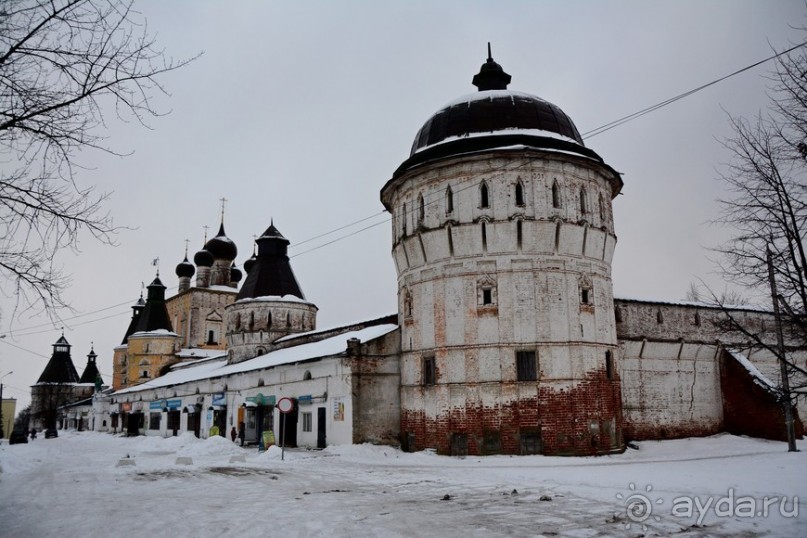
<point>429,371</point>
<point>459,444</point>
<point>530,442</point>
<point>526,367</point>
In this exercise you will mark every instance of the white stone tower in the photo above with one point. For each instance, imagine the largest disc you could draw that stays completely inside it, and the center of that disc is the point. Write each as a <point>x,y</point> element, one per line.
<point>502,239</point>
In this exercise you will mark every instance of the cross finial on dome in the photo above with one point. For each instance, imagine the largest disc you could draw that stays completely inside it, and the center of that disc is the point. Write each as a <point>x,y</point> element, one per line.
<point>223,203</point>
<point>491,76</point>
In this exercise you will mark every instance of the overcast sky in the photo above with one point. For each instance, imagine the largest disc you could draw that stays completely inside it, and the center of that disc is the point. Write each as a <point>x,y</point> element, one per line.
<point>301,111</point>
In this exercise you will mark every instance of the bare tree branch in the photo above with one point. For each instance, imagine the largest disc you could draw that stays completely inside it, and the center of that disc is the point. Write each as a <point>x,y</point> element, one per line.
<point>62,64</point>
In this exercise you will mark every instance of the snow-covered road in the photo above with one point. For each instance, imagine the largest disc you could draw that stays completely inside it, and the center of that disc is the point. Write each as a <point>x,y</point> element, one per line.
<point>75,486</point>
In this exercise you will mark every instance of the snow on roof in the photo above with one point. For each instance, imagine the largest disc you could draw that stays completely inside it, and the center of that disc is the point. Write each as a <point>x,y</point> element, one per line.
<point>698,304</point>
<point>759,377</point>
<point>156,332</point>
<point>489,95</point>
<point>207,369</point>
<point>503,132</point>
<point>195,352</point>
<point>273,298</point>
<point>218,287</point>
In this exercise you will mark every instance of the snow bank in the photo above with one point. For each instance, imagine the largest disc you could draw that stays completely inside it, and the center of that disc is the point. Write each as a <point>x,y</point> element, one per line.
<point>213,446</point>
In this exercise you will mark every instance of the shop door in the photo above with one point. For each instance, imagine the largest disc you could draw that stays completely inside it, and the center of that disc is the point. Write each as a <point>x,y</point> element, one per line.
<point>195,422</point>
<point>321,442</point>
<point>220,420</point>
<point>173,422</point>
<point>133,425</point>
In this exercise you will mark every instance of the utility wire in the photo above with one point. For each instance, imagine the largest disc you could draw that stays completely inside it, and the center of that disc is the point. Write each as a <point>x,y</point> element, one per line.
<point>616,123</point>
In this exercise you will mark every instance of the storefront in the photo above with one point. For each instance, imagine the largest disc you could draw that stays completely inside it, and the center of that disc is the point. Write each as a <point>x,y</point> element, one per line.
<point>257,413</point>
<point>219,410</point>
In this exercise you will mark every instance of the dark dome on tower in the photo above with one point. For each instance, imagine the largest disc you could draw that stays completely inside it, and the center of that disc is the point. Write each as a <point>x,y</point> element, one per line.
<point>203,258</point>
<point>185,268</point>
<point>494,118</point>
<point>235,274</point>
<point>221,246</point>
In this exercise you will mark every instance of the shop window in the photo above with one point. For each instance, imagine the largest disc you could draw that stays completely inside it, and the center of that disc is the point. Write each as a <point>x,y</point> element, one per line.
<point>307,422</point>
<point>526,366</point>
<point>154,421</point>
<point>429,370</point>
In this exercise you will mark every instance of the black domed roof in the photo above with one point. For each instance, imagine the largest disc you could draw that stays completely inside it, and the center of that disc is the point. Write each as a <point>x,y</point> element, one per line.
<point>235,274</point>
<point>185,268</point>
<point>494,118</point>
<point>221,246</point>
<point>203,258</point>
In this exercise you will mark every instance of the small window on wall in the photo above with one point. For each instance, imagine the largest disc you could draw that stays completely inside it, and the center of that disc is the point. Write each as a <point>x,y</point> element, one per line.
<point>486,292</point>
<point>585,291</point>
<point>306,375</point>
<point>429,370</point>
<point>403,219</point>
<point>602,208</point>
<point>212,337</point>
<point>421,210</point>
<point>269,320</point>
<point>449,200</point>
<point>555,195</point>
<point>609,365</point>
<point>583,201</point>
<point>526,367</point>
<point>307,422</point>
<point>484,198</point>
<point>519,193</point>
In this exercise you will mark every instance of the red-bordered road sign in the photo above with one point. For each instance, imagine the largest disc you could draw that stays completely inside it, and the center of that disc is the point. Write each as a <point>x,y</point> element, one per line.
<point>285,405</point>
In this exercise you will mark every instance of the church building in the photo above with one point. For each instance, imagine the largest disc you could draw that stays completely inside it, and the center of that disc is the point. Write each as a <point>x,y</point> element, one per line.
<point>507,340</point>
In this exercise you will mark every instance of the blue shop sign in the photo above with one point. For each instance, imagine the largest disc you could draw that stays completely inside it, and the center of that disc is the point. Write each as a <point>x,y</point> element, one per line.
<point>165,404</point>
<point>219,398</point>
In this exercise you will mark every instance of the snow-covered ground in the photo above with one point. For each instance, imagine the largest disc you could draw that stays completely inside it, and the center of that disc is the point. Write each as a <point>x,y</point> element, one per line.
<point>77,486</point>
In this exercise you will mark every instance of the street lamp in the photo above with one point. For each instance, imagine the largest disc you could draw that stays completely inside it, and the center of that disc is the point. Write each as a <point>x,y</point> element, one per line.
<point>2,431</point>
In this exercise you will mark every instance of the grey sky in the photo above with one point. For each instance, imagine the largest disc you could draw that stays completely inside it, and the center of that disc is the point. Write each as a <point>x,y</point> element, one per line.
<point>301,112</point>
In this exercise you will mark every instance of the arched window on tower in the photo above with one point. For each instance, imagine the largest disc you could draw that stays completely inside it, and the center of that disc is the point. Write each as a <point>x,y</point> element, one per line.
<point>555,194</point>
<point>269,320</point>
<point>288,320</point>
<point>421,210</point>
<point>449,200</point>
<point>251,320</point>
<point>583,201</point>
<point>484,198</point>
<point>407,304</point>
<point>602,208</point>
<point>403,219</point>
<point>519,193</point>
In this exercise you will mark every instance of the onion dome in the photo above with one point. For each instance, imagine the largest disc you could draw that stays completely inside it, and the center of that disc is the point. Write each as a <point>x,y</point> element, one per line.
<point>221,246</point>
<point>203,258</point>
<point>495,118</point>
<point>235,274</point>
<point>185,268</point>
<point>250,261</point>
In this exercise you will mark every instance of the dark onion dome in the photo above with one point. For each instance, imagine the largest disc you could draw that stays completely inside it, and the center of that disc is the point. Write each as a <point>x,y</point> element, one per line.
<point>271,274</point>
<point>235,274</point>
<point>203,258</point>
<point>250,261</point>
<point>185,268</point>
<point>495,118</point>
<point>221,246</point>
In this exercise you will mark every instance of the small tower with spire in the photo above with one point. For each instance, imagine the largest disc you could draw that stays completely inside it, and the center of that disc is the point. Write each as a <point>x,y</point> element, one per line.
<point>185,271</point>
<point>270,303</point>
<point>54,388</point>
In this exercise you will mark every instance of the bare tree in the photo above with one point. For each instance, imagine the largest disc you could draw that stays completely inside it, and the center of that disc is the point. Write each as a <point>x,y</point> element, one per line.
<point>64,66</point>
<point>767,211</point>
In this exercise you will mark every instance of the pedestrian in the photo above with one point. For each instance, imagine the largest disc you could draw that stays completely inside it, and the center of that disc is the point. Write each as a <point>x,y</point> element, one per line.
<point>233,434</point>
<point>33,434</point>
<point>242,432</point>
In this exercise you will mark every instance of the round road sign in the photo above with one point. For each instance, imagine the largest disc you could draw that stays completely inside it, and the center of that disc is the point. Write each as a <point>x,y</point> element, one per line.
<point>285,405</point>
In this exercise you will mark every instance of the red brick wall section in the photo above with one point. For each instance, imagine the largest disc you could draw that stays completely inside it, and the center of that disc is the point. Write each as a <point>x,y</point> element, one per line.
<point>748,408</point>
<point>585,420</point>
